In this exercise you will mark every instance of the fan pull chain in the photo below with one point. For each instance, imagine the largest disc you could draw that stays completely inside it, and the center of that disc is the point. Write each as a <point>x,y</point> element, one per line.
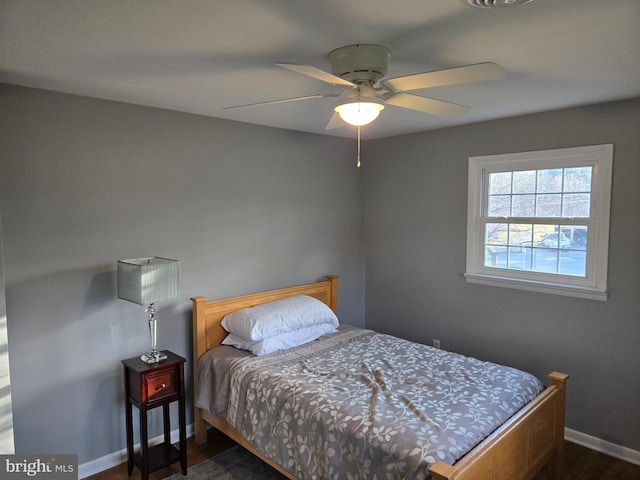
<point>358,158</point>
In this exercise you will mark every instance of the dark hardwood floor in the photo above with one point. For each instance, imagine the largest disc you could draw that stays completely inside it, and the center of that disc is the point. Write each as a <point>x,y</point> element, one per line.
<point>580,463</point>
<point>216,443</point>
<point>585,464</point>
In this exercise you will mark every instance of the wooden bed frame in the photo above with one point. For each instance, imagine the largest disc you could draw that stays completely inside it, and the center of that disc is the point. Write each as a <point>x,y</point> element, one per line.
<point>531,440</point>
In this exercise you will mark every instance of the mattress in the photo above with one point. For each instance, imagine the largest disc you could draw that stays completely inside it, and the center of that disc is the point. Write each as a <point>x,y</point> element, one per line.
<point>359,404</point>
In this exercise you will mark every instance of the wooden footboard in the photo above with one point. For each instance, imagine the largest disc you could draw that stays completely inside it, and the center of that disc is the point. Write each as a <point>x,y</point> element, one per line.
<point>529,441</point>
<point>532,439</point>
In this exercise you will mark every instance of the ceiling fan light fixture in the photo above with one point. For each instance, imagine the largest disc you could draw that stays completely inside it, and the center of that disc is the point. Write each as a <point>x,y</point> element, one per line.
<point>359,111</point>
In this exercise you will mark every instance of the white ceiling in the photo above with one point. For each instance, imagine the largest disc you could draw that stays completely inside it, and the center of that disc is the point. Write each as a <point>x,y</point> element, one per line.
<point>199,56</point>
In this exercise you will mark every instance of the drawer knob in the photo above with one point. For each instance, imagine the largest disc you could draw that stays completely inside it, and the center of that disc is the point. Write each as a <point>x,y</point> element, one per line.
<point>164,385</point>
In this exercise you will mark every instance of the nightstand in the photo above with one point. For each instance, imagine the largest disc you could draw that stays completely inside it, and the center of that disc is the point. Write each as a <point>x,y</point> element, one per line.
<point>148,387</point>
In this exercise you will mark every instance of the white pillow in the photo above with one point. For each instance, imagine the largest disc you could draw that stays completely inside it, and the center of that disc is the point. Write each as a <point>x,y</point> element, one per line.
<point>278,317</point>
<point>282,341</point>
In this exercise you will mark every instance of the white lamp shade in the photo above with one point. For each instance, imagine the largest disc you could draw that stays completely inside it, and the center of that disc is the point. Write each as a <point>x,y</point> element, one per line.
<point>360,112</point>
<point>148,280</point>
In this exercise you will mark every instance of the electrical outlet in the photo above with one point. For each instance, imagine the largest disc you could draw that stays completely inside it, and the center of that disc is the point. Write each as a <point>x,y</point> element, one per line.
<point>436,343</point>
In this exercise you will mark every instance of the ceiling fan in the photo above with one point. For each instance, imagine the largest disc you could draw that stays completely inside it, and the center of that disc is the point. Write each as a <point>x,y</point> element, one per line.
<point>360,69</point>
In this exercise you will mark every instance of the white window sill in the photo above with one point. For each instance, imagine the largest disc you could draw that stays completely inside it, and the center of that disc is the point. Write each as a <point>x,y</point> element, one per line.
<point>541,287</point>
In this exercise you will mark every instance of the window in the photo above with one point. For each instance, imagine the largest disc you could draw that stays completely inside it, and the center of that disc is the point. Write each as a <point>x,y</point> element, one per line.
<point>540,220</point>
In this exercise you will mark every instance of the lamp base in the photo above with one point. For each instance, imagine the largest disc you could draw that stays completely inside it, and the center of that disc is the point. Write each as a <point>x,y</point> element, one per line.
<point>152,357</point>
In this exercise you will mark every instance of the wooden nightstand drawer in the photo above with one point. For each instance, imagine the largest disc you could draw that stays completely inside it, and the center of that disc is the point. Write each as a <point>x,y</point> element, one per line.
<point>161,384</point>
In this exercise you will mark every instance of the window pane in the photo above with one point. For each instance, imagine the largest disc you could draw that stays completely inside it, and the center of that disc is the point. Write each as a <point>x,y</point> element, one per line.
<point>577,235</point>
<point>545,260</point>
<point>520,234</point>
<point>521,258</point>
<point>549,205</point>
<point>576,205</point>
<point>496,233</point>
<point>523,206</point>
<point>496,256</point>
<point>500,205</point>
<point>573,262</point>
<point>540,231</point>
<point>499,183</point>
<point>559,249</point>
<point>550,181</point>
<point>535,247</point>
<point>524,182</point>
<point>577,179</point>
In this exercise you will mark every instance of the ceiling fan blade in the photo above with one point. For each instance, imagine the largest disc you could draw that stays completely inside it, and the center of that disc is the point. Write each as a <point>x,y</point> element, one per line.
<point>427,105</point>
<point>284,100</point>
<point>316,73</point>
<point>451,76</point>
<point>335,122</point>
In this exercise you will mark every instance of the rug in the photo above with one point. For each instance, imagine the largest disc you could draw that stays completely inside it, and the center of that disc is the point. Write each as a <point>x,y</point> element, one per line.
<point>235,463</point>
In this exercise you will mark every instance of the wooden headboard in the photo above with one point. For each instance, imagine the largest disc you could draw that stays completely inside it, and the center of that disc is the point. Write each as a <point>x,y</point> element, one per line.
<point>208,333</point>
<point>207,314</point>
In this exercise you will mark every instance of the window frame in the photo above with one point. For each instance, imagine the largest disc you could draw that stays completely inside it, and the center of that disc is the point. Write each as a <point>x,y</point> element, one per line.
<point>594,284</point>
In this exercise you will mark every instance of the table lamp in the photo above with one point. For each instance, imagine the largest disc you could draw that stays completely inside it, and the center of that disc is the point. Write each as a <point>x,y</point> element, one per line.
<point>146,281</point>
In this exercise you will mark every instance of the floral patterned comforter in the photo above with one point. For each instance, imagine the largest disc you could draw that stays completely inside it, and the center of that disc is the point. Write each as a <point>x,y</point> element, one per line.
<point>363,405</point>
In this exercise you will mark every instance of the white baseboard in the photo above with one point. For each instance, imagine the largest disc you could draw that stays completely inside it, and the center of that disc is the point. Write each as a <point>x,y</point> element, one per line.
<point>599,445</point>
<point>623,453</point>
<point>114,459</point>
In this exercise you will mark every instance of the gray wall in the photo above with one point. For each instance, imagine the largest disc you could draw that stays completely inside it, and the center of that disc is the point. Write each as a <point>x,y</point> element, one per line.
<point>415,230</point>
<point>85,182</point>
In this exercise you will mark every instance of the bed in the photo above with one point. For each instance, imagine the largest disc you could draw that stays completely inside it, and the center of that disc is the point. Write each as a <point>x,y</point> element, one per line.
<point>527,442</point>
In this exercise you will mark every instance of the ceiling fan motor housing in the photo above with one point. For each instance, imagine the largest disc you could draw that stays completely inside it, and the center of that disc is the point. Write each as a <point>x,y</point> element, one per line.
<point>360,63</point>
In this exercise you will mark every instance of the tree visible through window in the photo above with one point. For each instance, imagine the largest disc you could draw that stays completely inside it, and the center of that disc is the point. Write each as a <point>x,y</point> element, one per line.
<point>540,220</point>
